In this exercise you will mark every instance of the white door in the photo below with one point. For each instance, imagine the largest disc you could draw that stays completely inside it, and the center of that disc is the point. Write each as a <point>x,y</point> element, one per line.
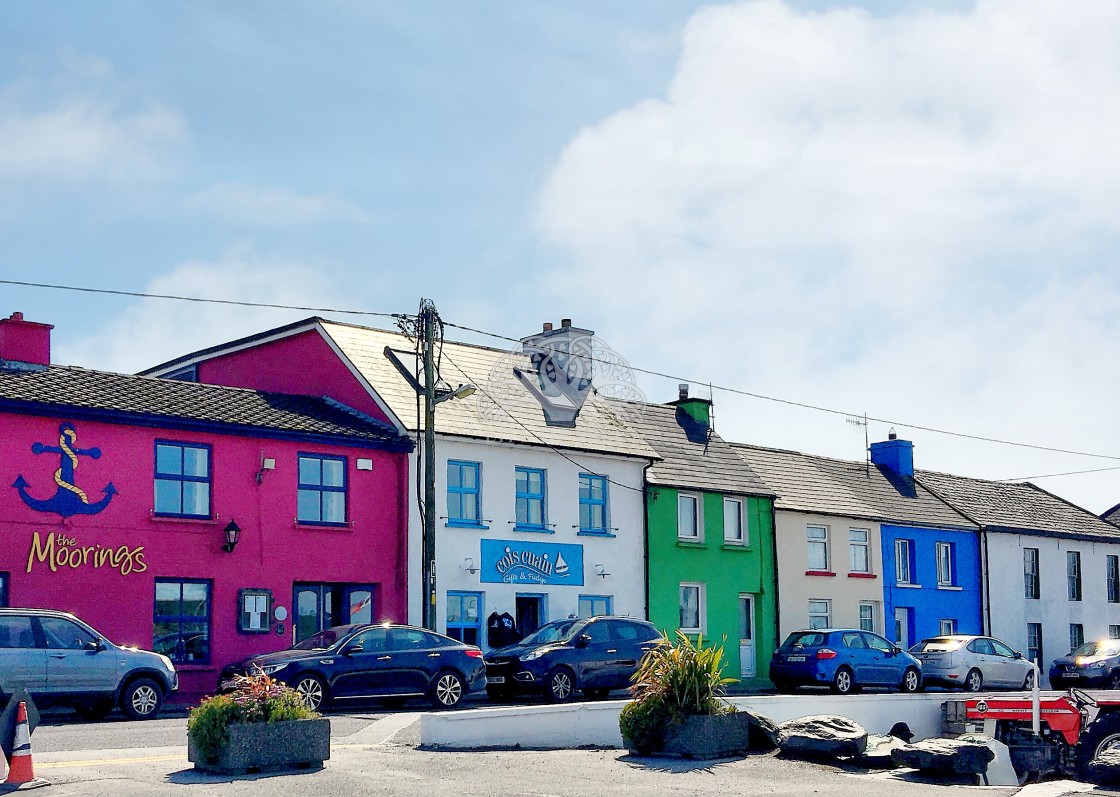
<point>746,636</point>
<point>902,627</point>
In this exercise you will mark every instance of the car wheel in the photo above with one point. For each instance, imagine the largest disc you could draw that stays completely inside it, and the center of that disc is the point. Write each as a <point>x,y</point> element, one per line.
<point>561,685</point>
<point>94,710</point>
<point>843,683</point>
<point>446,690</point>
<point>911,681</point>
<point>1028,682</point>
<point>1101,735</point>
<point>1114,680</point>
<point>311,691</point>
<point>142,699</point>
<point>974,681</point>
<point>597,694</point>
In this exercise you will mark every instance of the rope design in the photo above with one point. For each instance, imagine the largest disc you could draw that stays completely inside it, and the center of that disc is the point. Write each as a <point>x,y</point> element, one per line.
<point>65,446</point>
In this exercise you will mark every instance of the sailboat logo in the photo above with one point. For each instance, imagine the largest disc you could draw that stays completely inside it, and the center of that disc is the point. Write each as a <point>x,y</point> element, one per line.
<point>561,567</point>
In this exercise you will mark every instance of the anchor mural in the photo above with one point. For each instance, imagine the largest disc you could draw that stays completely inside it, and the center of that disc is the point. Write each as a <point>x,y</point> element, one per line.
<point>68,499</point>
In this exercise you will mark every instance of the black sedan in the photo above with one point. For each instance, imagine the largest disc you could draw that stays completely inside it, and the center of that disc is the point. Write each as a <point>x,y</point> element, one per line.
<point>1094,664</point>
<point>594,655</point>
<point>387,662</point>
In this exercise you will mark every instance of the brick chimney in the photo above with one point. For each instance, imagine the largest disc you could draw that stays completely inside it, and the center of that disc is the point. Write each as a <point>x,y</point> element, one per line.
<point>894,455</point>
<point>24,344</point>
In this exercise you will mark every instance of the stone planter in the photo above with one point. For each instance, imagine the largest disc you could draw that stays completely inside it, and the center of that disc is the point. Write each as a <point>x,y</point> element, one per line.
<point>264,747</point>
<point>704,737</point>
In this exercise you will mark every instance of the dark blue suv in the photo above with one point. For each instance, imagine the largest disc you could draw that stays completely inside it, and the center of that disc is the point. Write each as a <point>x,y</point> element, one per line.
<point>387,662</point>
<point>594,655</point>
<point>844,659</point>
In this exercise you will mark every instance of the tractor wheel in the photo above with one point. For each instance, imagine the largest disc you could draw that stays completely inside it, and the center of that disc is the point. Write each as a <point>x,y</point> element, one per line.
<point>1102,734</point>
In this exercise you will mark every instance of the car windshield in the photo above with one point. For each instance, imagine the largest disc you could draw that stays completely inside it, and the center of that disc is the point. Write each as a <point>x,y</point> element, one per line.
<point>556,631</point>
<point>938,645</point>
<point>324,639</point>
<point>807,639</point>
<point>1101,647</point>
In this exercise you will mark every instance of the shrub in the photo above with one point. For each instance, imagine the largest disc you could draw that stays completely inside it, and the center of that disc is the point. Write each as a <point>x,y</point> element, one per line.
<point>255,698</point>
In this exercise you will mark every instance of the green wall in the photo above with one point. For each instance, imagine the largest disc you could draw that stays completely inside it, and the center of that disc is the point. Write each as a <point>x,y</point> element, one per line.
<point>725,570</point>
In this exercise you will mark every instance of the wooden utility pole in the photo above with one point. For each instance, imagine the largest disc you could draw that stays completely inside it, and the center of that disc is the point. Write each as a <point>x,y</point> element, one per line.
<point>427,323</point>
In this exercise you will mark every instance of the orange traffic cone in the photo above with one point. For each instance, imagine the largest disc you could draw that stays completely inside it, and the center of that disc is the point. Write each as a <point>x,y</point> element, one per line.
<point>21,771</point>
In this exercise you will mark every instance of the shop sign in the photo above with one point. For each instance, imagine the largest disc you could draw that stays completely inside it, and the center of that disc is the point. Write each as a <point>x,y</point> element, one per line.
<point>519,562</point>
<point>57,551</point>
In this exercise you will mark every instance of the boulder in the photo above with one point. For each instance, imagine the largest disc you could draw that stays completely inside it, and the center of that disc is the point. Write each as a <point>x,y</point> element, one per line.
<point>1104,770</point>
<point>763,730</point>
<point>948,756</point>
<point>878,752</point>
<point>821,737</point>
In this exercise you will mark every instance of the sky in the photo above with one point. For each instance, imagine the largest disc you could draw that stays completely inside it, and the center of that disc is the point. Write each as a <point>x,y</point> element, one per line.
<point>904,209</point>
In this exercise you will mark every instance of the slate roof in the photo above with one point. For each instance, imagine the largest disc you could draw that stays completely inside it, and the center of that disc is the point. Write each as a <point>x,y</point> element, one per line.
<point>1017,507</point>
<point>690,457</point>
<point>1112,515</point>
<point>169,401</point>
<point>823,485</point>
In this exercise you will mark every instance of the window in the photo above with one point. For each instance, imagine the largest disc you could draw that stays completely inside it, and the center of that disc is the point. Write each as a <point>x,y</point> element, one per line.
<point>858,551</point>
<point>1114,632</point>
<point>1073,575</point>
<point>734,530</point>
<point>322,490</point>
<point>4,579</point>
<point>256,609</point>
<point>817,539</point>
<point>1076,636</point>
<point>946,565</point>
<point>594,605</point>
<point>16,632</point>
<point>530,498</point>
<point>593,504</point>
<point>317,607</point>
<point>182,620</point>
<point>688,517</point>
<point>867,616</point>
<point>904,561</point>
<point>464,617</point>
<point>62,634</point>
<point>464,493</point>
<point>946,627</point>
<point>1112,578</point>
<point>692,608</point>
<point>1030,573</point>
<point>1034,642</point>
<point>820,613</point>
<point>182,480</point>
<point>1002,649</point>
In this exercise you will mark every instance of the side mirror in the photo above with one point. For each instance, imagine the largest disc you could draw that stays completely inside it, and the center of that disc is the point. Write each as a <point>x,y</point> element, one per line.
<point>895,650</point>
<point>95,646</point>
<point>350,650</point>
<point>1018,655</point>
<point>583,640</point>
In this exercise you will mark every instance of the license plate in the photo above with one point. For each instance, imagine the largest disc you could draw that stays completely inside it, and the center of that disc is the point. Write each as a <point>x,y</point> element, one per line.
<point>495,679</point>
<point>1072,675</point>
<point>795,658</point>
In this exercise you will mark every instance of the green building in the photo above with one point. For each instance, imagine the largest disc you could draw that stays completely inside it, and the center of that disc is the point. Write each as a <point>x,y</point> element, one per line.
<point>710,538</point>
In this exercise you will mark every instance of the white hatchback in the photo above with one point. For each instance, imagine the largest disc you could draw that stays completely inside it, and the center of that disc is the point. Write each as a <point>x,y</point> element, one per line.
<point>972,663</point>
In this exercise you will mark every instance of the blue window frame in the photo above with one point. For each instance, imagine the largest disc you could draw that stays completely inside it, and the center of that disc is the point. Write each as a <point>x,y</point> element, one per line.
<point>595,605</point>
<point>593,515</point>
<point>321,497</point>
<point>4,579</point>
<point>464,493</point>
<point>464,617</point>
<point>530,514</point>
<point>181,629</point>
<point>182,479</point>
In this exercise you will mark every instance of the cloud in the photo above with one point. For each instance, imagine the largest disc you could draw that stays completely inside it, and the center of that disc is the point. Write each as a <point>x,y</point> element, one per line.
<point>154,330</point>
<point>914,214</point>
<point>267,207</point>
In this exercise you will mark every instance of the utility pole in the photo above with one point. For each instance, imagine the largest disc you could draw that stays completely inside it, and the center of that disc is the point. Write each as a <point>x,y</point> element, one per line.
<point>427,323</point>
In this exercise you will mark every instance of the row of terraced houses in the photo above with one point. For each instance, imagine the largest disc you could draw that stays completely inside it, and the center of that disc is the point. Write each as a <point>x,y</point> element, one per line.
<point>239,499</point>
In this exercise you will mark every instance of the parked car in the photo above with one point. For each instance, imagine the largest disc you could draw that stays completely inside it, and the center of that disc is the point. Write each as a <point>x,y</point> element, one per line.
<point>381,661</point>
<point>843,659</point>
<point>61,661</point>
<point>595,655</point>
<point>972,663</point>
<point>1093,664</point>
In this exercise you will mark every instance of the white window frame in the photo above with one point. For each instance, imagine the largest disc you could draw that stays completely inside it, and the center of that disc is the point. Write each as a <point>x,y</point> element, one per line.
<point>701,607</point>
<point>945,555</point>
<point>853,546</point>
<point>1078,637</point>
<point>1114,632</point>
<point>698,530</point>
<point>739,513</point>
<point>826,614</point>
<point>810,542</point>
<point>947,626</point>
<point>903,553</point>
<point>871,612</point>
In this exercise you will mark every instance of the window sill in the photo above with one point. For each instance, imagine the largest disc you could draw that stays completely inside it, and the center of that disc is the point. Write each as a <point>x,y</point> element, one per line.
<point>690,543</point>
<point>736,546</point>
<point>463,524</point>
<point>862,575</point>
<point>907,585</point>
<point>310,526</point>
<point>950,587</point>
<point>193,519</point>
<point>593,533</point>
<point>534,529</point>
<point>828,573</point>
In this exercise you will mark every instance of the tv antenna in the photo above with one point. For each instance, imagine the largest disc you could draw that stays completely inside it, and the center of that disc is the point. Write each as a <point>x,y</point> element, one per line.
<point>855,421</point>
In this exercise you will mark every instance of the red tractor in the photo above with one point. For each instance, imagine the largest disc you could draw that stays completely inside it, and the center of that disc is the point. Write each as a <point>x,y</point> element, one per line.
<point>1073,727</point>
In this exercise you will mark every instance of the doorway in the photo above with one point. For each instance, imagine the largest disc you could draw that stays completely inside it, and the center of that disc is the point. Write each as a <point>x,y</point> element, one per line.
<point>746,636</point>
<point>902,626</point>
<point>322,606</point>
<point>531,613</point>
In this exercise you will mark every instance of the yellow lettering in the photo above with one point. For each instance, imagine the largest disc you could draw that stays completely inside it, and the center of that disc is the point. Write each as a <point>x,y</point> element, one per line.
<point>41,552</point>
<point>58,551</point>
<point>141,565</point>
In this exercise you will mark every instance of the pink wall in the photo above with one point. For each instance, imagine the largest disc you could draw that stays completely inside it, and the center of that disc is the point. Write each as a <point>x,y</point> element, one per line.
<point>303,364</point>
<point>273,551</point>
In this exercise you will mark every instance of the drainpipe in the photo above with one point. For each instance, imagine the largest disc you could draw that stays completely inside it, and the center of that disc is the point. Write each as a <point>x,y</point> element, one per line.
<point>645,535</point>
<point>774,549</point>
<point>985,601</point>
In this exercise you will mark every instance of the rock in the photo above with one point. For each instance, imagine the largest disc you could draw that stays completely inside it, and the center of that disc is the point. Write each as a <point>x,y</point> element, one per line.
<point>878,752</point>
<point>821,736</point>
<point>1104,770</point>
<point>900,730</point>
<point>951,756</point>
<point>763,730</point>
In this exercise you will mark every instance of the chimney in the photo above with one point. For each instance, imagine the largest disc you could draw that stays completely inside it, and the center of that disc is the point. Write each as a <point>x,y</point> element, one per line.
<point>547,326</point>
<point>700,410</point>
<point>565,322</point>
<point>894,455</point>
<point>682,391</point>
<point>24,344</point>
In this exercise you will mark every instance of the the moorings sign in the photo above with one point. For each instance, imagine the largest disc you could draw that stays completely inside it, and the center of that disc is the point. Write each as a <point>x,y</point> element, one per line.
<point>517,562</point>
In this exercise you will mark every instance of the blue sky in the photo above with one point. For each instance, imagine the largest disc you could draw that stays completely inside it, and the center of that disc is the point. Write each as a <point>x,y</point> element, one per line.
<point>903,208</point>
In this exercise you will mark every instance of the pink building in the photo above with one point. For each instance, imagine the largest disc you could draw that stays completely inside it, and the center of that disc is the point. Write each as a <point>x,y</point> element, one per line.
<point>207,523</point>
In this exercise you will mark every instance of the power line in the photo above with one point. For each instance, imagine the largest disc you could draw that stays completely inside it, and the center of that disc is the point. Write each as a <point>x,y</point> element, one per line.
<point>1052,475</point>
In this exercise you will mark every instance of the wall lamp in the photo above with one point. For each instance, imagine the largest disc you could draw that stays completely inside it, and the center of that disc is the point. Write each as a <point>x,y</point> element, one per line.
<point>268,463</point>
<point>232,531</point>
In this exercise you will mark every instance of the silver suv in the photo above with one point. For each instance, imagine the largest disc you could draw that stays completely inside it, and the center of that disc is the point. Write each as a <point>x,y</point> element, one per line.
<point>61,661</point>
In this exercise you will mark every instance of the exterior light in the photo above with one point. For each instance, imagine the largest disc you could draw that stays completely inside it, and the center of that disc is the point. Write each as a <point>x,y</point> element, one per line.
<point>232,531</point>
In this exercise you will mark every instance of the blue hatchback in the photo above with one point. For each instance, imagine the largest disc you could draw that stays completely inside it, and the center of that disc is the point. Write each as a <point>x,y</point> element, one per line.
<point>845,660</point>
